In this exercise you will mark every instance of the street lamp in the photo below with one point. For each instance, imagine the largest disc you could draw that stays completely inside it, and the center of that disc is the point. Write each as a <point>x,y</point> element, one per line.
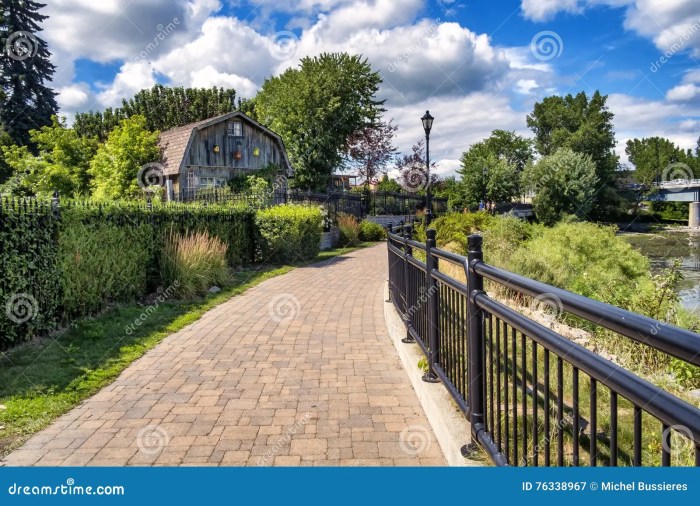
<point>427,120</point>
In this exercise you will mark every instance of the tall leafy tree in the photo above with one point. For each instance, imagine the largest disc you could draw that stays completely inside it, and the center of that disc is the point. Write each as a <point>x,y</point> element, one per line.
<point>316,108</point>
<point>564,182</point>
<point>581,124</point>
<point>652,156</point>
<point>116,165</point>
<point>163,108</point>
<point>371,148</point>
<point>490,171</point>
<point>61,164</point>
<point>26,101</point>
<point>5,142</point>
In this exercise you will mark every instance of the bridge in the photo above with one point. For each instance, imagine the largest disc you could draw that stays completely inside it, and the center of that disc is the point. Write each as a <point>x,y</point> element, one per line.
<point>680,190</point>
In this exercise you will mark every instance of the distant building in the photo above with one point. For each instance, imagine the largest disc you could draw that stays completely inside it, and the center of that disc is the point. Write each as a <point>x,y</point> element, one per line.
<point>208,153</point>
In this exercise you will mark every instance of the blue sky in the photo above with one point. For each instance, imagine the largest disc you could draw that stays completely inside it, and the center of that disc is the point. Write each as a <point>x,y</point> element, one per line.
<point>476,65</point>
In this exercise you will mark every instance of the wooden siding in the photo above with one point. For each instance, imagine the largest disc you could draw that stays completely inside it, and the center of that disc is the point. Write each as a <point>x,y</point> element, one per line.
<point>201,152</point>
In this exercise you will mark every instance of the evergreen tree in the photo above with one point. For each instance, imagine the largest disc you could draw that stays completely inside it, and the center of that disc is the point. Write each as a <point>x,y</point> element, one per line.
<point>25,70</point>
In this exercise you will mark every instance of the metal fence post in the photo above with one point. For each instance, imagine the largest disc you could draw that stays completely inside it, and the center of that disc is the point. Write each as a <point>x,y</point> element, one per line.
<point>389,230</point>
<point>408,251</point>
<point>432,291</point>
<point>477,375</point>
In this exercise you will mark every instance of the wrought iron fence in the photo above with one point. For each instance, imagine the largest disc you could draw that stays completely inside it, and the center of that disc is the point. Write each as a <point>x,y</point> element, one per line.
<point>532,396</point>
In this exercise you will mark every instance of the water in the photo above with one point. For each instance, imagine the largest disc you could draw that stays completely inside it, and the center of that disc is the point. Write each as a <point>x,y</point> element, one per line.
<point>663,248</point>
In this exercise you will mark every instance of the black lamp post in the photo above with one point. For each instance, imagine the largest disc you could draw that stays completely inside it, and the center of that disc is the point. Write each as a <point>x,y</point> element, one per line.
<point>427,120</point>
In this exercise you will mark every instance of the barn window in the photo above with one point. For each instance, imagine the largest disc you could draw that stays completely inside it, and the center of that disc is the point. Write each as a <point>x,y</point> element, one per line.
<point>235,129</point>
<point>191,181</point>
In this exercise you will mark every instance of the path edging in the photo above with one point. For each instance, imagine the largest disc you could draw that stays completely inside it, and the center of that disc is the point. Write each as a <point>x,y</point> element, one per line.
<point>451,429</point>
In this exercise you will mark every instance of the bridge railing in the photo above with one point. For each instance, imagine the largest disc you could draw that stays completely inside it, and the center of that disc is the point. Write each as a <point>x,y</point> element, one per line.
<point>532,396</point>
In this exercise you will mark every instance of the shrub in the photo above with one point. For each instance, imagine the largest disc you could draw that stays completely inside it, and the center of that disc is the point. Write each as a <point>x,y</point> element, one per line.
<point>456,228</point>
<point>371,231</point>
<point>193,262</point>
<point>349,229</point>
<point>288,233</point>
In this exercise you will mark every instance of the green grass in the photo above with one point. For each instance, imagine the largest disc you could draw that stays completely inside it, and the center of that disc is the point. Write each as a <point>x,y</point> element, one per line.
<point>47,377</point>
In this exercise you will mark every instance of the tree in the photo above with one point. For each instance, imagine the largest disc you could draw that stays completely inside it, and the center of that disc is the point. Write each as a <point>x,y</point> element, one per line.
<point>371,148</point>
<point>163,107</point>
<point>61,164</point>
<point>118,161</point>
<point>582,125</point>
<point>5,142</point>
<point>654,155</point>
<point>565,183</point>
<point>316,108</point>
<point>511,147</point>
<point>26,102</point>
<point>488,176</point>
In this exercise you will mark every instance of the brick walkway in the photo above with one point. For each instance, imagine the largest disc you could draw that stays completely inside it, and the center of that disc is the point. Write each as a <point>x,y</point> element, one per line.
<point>296,371</point>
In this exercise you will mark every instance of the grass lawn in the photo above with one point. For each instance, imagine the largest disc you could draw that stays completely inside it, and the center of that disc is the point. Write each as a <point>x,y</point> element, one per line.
<point>43,379</point>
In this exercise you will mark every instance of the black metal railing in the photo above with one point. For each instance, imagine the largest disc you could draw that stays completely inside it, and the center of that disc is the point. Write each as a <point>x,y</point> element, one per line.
<point>532,396</point>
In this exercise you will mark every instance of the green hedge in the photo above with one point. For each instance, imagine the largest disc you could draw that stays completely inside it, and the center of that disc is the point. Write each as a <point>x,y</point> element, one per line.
<point>29,279</point>
<point>289,233</point>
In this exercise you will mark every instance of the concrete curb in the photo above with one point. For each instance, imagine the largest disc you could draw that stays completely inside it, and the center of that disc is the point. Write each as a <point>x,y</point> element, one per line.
<point>448,423</point>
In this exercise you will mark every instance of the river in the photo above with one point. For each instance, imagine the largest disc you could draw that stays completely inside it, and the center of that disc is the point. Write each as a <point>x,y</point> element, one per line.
<point>663,248</point>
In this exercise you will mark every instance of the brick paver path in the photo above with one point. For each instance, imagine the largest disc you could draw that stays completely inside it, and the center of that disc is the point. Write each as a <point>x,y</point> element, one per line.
<point>296,371</point>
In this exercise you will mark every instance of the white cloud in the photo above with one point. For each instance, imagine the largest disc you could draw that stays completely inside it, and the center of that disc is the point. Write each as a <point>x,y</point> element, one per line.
<point>209,76</point>
<point>544,10</point>
<point>525,86</point>
<point>132,78</point>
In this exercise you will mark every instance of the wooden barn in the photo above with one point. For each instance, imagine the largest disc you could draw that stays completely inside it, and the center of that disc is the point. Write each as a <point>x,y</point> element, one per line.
<point>206,154</point>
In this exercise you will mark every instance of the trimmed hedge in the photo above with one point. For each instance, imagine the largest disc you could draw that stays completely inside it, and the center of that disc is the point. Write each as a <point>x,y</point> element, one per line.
<point>371,231</point>
<point>57,266</point>
<point>289,233</point>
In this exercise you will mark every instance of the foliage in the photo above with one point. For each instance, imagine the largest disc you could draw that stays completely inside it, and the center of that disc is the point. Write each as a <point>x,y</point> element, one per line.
<point>95,266</point>
<point>193,262</point>
<point>412,170</point>
<point>316,107</point>
<point>163,107</point>
<point>371,148</point>
<point>387,184</point>
<point>565,183</point>
<point>349,229</point>
<point>5,169</point>
<point>30,278</point>
<point>116,165</point>
<point>455,228</point>
<point>288,233</point>
<point>371,231</point>
<point>26,101</point>
<point>581,124</point>
<point>62,162</point>
<point>651,156</point>
<point>487,177</point>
